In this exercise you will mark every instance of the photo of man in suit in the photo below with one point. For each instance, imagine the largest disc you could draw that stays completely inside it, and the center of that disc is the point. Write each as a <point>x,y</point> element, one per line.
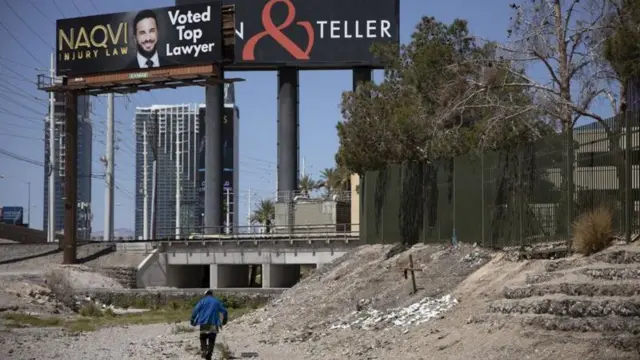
<point>145,36</point>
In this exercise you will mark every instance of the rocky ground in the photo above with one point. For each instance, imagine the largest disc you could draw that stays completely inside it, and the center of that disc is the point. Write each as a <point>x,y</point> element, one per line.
<point>470,304</point>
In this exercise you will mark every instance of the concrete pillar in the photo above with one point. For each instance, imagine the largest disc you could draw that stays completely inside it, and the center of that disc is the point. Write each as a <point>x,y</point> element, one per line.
<point>280,276</point>
<point>214,113</point>
<point>288,134</point>
<point>229,276</point>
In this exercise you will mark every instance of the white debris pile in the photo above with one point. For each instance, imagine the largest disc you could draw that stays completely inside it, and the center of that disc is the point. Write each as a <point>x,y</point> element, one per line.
<point>414,314</point>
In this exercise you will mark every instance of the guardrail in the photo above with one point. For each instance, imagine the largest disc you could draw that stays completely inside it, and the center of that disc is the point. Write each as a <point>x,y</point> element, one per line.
<point>256,234</point>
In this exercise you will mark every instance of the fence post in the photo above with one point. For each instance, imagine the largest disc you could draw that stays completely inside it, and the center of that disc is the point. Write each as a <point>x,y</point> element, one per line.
<point>628,177</point>
<point>570,185</point>
<point>519,194</point>
<point>482,195</point>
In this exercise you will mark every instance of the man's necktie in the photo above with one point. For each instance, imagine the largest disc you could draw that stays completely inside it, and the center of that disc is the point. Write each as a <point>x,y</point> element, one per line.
<point>149,63</point>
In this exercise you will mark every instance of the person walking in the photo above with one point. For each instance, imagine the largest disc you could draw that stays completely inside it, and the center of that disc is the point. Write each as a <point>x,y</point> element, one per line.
<point>210,314</point>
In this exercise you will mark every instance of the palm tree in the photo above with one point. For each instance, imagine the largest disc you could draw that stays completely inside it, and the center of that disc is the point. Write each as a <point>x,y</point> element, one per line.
<point>335,179</point>
<point>264,214</point>
<point>307,184</point>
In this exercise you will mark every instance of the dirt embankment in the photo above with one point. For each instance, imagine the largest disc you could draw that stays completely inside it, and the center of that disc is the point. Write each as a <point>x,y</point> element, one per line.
<point>467,307</point>
<point>470,304</point>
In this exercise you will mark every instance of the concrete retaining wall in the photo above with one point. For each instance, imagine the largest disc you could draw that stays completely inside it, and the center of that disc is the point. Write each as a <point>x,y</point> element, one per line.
<point>24,235</point>
<point>126,276</point>
<point>152,271</point>
<point>154,297</point>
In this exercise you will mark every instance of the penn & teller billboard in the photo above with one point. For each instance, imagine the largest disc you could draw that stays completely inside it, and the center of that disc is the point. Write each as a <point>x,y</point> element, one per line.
<point>313,33</point>
<point>129,41</point>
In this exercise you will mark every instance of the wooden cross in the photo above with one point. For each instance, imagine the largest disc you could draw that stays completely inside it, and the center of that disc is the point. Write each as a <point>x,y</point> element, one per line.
<point>413,275</point>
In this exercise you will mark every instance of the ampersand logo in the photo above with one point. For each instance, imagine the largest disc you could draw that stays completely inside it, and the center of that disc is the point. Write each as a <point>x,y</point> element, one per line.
<point>275,32</point>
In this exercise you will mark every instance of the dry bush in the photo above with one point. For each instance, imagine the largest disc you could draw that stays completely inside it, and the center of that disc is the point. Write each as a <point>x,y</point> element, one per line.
<point>61,289</point>
<point>592,231</point>
<point>91,310</point>
<point>224,352</point>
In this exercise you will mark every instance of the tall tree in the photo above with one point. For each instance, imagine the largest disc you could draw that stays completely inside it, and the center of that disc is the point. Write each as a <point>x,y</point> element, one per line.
<point>564,39</point>
<point>622,45</point>
<point>416,113</point>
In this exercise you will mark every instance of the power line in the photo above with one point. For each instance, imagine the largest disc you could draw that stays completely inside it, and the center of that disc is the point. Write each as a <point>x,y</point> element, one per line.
<point>94,6</point>
<point>20,44</point>
<point>16,63</point>
<point>21,136</point>
<point>38,163</point>
<point>20,75</point>
<point>40,11</point>
<point>58,7</point>
<point>26,24</point>
<point>73,2</point>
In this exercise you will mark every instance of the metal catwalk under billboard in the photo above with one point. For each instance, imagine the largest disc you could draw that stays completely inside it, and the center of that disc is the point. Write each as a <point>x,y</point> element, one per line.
<point>129,41</point>
<point>228,129</point>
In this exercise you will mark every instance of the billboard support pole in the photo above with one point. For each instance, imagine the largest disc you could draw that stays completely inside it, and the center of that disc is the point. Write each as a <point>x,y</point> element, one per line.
<point>51,218</point>
<point>288,133</point>
<point>109,175</point>
<point>214,114</point>
<point>71,177</point>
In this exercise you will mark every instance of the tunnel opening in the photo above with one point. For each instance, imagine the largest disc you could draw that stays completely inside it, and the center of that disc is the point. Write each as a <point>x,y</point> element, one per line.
<point>188,276</point>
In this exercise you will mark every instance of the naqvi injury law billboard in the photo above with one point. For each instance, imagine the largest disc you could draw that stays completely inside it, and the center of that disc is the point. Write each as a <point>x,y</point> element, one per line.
<point>152,38</point>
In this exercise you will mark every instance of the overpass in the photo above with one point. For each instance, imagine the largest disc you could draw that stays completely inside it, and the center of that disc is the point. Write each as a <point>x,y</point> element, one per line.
<point>223,261</point>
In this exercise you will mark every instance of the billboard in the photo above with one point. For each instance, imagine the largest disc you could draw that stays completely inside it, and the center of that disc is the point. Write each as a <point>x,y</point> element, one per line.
<point>228,152</point>
<point>129,41</point>
<point>313,33</point>
<point>12,215</point>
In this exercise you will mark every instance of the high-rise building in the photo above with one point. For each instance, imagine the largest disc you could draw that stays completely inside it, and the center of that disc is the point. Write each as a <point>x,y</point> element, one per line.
<point>83,163</point>
<point>166,136</point>
<point>230,163</point>
<point>170,136</point>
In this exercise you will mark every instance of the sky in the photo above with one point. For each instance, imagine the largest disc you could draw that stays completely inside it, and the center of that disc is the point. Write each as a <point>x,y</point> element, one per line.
<point>23,107</point>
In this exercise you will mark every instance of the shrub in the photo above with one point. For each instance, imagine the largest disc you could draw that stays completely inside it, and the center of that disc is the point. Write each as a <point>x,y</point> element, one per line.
<point>61,288</point>
<point>224,352</point>
<point>592,231</point>
<point>91,310</point>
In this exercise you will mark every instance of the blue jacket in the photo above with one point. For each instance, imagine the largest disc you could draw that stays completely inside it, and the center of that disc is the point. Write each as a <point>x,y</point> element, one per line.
<point>207,312</point>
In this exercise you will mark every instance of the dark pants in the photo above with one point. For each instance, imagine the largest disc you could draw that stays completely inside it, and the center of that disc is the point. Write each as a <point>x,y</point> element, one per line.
<point>207,342</point>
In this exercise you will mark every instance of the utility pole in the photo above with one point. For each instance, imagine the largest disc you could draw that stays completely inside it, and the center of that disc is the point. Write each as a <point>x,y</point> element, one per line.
<point>154,200</point>
<point>51,218</point>
<point>145,202</point>
<point>109,176</point>
<point>178,184</point>
<point>228,227</point>
<point>249,211</point>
